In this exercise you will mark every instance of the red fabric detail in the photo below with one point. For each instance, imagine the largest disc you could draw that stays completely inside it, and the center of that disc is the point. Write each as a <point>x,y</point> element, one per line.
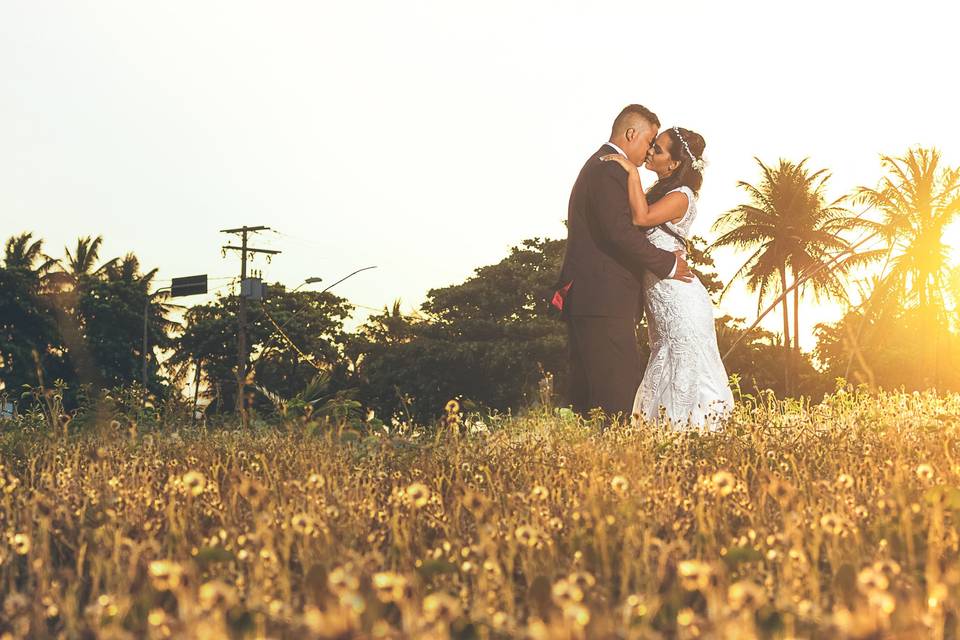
<point>559,296</point>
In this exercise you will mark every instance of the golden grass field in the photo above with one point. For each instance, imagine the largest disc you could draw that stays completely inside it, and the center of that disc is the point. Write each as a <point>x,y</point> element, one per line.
<point>836,520</point>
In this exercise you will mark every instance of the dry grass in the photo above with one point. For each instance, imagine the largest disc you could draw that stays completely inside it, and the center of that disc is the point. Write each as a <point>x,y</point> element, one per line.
<point>840,519</point>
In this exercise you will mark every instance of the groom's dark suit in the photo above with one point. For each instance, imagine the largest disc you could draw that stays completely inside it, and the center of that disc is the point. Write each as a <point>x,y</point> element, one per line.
<point>604,262</point>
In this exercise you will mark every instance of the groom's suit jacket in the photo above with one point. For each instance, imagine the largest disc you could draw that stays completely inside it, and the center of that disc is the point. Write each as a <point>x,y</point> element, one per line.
<point>606,254</point>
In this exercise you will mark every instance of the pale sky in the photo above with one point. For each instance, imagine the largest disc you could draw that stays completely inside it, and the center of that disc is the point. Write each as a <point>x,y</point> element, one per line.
<point>429,137</point>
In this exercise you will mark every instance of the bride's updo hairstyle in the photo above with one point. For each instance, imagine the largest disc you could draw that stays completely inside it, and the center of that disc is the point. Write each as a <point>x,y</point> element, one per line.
<point>689,173</point>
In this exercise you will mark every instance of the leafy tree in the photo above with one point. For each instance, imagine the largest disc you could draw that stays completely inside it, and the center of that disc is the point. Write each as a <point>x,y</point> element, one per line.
<point>29,342</point>
<point>703,265</point>
<point>67,283</point>
<point>293,337</point>
<point>489,340</point>
<point>77,320</point>
<point>110,309</point>
<point>208,343</point>
<point>755,363</point>
<point>304,337</point>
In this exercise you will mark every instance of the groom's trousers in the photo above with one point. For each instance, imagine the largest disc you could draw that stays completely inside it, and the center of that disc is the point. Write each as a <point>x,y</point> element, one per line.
<point>604,364</point>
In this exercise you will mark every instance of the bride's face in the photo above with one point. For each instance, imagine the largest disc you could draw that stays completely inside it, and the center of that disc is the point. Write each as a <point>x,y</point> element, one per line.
<point>659,159</point>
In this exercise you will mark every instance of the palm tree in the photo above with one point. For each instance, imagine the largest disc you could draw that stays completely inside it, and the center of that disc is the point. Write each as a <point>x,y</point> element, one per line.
<point>126,269</point>
<point>129,292</point>
<point>790,229</point>
<point>21,253</point>
<point>81,262</point>
<point>125,273</point>
<point>27,334</point>
<point>916,199</point>
<point>67,284</point>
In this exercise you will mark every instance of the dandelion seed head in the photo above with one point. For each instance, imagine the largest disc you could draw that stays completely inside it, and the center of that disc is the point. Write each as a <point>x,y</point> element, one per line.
<point>685,617</point>
<point>418,494</point>
<point>21,544</point>
<point>745,594</point>
<point>620,485</point>
<point>216,594</point>
<point>844,481</point>
<point>303,524</point>
<point>440,607</point>
<point>166,575</point>
<point>723,483</point>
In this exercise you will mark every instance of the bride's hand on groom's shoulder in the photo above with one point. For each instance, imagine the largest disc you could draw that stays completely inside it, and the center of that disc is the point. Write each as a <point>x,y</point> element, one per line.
<point>619,159</point>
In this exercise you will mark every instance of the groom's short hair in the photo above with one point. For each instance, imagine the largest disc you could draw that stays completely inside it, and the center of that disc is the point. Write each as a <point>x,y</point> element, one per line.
<point>629,116</point>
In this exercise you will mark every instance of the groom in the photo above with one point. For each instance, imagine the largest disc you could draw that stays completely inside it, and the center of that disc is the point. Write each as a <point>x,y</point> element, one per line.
<point>600,282</point>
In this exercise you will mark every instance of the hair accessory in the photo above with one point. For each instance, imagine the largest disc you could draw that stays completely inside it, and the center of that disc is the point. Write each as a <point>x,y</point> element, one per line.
<point>698,163</point>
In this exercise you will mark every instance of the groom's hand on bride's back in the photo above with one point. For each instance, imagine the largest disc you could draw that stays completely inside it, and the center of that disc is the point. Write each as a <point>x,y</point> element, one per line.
<point>682,272</point>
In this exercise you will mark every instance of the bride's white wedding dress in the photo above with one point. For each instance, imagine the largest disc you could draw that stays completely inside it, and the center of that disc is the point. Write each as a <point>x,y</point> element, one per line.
<point>685,377</point>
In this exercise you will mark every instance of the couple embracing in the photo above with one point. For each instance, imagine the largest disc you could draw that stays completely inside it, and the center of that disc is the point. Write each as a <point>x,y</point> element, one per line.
<point>624,244</point>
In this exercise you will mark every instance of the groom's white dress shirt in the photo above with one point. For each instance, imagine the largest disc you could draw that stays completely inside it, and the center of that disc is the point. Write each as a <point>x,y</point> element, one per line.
<point>621,152</point>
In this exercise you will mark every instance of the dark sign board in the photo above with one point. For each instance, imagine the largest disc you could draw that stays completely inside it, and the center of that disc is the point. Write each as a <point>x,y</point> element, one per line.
<point>189,286</point>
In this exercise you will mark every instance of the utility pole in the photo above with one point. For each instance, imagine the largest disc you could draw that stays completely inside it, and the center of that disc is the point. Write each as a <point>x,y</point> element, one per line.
<point>242,316</point>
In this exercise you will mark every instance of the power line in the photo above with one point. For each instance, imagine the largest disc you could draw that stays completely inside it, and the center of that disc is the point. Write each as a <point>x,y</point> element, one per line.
<point>301,241</point>
<point>232,282</point>
<point>279,329</point>
<point>386,309</point>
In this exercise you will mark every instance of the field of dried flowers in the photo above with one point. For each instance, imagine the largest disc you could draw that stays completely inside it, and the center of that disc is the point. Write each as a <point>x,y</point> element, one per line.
<point>836,520</point>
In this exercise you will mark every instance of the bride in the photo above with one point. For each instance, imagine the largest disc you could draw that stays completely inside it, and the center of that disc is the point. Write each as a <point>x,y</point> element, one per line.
<point>685,377</point>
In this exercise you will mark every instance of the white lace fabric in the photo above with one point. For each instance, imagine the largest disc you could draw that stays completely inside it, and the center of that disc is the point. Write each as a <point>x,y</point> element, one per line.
<point>685,382</point>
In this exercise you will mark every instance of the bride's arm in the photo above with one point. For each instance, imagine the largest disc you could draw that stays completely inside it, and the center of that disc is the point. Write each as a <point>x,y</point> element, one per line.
<point>670,207</point>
